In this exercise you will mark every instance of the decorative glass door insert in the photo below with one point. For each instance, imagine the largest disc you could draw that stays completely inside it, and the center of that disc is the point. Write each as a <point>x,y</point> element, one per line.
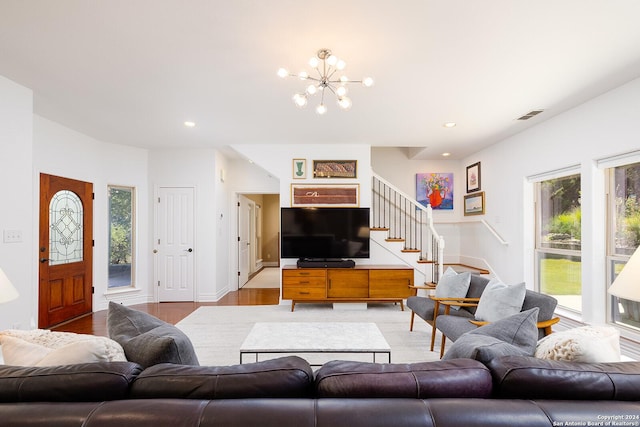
<point>65,228</point>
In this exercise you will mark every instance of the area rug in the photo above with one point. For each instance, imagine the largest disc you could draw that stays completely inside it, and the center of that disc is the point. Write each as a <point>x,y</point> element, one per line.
<point>218,332</point>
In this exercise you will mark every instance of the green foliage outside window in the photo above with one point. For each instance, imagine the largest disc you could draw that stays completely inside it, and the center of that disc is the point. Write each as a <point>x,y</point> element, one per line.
<point>120,219</point>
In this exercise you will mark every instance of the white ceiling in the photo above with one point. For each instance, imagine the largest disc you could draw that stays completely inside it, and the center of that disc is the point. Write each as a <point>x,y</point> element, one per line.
<point>132,71</point>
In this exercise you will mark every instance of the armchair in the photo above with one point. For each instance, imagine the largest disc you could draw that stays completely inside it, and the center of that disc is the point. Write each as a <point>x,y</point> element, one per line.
<point>430,307</point>
<point>453,327</point>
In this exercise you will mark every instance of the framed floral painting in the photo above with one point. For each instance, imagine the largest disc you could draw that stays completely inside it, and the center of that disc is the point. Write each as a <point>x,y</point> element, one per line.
<point>435,189</point>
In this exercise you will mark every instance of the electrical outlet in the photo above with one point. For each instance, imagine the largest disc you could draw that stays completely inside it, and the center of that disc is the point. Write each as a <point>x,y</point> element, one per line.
<point>12,236</point>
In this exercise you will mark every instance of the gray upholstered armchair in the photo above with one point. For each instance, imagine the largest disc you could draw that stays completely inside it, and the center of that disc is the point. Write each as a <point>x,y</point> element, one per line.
<point>453,323</point>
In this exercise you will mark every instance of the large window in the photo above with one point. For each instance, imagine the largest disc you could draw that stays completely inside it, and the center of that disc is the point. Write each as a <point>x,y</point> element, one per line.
<point>121,236</point>
<point>624,235</point>
<point>558,240</point>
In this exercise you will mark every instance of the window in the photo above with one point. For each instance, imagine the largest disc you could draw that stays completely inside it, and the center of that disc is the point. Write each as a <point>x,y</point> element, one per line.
<point>624,235</point>
<point>121,236</point>
<point>558,240</point>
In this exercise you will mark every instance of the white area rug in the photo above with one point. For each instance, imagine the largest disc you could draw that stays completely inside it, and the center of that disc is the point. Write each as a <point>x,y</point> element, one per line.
<point>218,332</point>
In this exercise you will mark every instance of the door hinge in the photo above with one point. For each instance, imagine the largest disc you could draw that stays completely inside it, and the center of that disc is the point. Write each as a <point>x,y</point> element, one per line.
<point>238,204</point>
<point>158,283</point>
<point>93,243</point>
<point>93,196</point>
<point>158,199</point>
<point>238,238</point>
<point>93,290</point>
<point>238,274</point>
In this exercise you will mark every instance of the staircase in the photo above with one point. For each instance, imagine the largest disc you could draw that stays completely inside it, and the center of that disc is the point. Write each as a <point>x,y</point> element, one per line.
<point>405,227</point>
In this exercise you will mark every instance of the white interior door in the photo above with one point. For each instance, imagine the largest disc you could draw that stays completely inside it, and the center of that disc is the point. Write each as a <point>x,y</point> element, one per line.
<point>244,245</point>
<point>175,244</point>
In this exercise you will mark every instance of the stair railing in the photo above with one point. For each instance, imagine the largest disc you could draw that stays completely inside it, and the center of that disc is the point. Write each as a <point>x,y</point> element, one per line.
<point>408,221</point>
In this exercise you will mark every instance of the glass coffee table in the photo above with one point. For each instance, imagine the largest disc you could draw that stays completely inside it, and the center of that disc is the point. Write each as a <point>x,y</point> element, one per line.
<point>301,338</point>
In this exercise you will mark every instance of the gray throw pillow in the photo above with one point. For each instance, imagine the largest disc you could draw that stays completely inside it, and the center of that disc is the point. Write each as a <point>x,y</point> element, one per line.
<point>516,335</point>
<point>499,300</point>
<point>148,340</point>
<point>453,285</point>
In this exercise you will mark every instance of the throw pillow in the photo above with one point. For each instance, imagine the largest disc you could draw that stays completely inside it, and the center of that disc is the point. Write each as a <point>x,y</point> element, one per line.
<point>590,344</point>
<point>46,338</point>
<point>500,300</point>
<point>18,352</point>
<point>148,340</point>
<point>453,285</point>
<point>515,335</point>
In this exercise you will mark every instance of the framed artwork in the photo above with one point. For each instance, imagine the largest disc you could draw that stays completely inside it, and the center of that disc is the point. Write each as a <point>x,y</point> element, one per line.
<point>474,204</point>
<point>299,168</point>
<point>319,195</point>
<point>473,177</point>
<point>335,168</point>
<point>435,189</point>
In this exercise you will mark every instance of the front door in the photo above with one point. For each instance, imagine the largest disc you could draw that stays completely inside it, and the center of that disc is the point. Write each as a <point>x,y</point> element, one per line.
<point>65,249</point>
<point>175,244</point>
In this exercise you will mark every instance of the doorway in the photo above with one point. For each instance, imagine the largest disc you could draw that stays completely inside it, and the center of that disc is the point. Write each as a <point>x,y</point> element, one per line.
<point>65,250</point>
<point>258,234</point>
<point>175,244</point>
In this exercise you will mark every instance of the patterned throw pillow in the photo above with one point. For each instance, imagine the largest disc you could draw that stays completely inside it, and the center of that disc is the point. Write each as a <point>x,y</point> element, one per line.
<point>589,344</point>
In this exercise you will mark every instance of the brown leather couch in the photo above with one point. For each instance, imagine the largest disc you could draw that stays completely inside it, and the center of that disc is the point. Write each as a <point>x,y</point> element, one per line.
<point>510,391</point>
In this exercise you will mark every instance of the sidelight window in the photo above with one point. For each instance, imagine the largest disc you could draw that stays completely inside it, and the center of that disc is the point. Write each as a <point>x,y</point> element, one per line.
<point>121,236</point>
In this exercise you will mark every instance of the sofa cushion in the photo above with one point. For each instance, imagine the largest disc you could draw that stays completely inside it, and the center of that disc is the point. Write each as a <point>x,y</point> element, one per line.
<point>85,382</point>
<point>454,378</point>
<point>514,335</point>
<point>289,376</point>
<point>148,340</point>
<point>500,300</point>
<point>523,377</point>
<point>591,344</point>
<point>453,285</point>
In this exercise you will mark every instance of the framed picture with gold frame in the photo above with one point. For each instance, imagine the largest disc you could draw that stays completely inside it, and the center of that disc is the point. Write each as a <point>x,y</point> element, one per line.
<point>335,168</point>
<point>299,168</point>
<point>474,204</point>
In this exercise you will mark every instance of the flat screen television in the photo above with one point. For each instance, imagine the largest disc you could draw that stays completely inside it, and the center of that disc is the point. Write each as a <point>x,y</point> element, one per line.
<point>324,233</point>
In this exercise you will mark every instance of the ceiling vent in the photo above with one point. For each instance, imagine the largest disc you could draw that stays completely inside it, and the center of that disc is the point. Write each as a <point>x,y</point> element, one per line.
<point>530,114</point>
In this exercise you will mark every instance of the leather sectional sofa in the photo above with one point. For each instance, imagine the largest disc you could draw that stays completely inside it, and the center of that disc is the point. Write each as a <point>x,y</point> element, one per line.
<point>509,391</point>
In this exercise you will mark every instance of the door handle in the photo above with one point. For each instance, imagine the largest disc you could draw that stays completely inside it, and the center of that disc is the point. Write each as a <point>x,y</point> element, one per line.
<point>189,250</point>
<point>43,260</point>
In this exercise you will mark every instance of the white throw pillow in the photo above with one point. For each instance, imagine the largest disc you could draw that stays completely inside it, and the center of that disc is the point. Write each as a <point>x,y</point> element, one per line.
<point>589,344</point>
<point>453,285</point>
<point>499,301</point>
<point>18,352</point>
<point>54,340</point>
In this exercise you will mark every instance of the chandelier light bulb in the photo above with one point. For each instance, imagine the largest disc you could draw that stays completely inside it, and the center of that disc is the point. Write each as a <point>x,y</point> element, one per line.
<point>312,89</point>
<point>367,82</point>
<point>300,100</point>
<point>340,65</point>
<point>332,60</point>
<point>321,109</point>
<point>341,91</point>
<point>282,73</point>
<point>344,103</point>
<point>303,75</point>
<point>314,62</point>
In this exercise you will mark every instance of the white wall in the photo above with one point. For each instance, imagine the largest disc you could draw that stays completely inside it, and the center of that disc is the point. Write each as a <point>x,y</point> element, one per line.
<point>17,260</point>
<point>64,152</point>
<point>195,168</point>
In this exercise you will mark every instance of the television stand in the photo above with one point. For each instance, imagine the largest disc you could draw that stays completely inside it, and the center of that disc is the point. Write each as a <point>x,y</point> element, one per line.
<point>325,263</point>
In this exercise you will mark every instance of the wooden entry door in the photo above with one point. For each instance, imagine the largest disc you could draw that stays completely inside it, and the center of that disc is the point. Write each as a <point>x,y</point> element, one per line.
<point>65,249</point>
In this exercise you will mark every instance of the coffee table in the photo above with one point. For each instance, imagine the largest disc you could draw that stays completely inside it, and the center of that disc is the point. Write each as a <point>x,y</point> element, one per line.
<point>314,337</point>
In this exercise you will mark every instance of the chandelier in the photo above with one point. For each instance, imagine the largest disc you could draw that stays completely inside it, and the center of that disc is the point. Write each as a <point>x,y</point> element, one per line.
<point>329,79</point>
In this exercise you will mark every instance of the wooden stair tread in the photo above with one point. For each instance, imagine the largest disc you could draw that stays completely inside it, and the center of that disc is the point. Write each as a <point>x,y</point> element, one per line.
<point>461,268</point>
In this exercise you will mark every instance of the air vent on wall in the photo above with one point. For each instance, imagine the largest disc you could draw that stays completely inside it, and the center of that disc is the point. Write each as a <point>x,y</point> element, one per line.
<point>530,114</point>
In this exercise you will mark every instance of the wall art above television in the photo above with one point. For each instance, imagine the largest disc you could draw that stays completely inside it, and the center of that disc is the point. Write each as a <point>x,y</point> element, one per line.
<point>319,195</point>
<point>335,168</point>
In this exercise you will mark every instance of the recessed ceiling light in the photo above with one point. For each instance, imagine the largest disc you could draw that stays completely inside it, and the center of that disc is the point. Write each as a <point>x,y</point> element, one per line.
<point>449,124</point>
<point>190,124</point>
<point>446,154</point>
